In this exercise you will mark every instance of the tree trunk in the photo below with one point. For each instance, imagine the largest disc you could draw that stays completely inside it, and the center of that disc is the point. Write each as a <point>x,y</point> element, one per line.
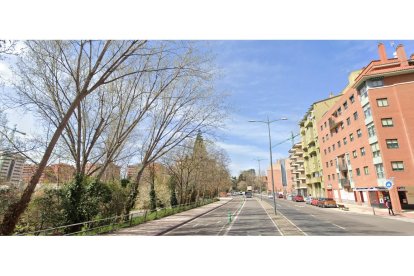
<point>129,205</point>
<point>16,209</point>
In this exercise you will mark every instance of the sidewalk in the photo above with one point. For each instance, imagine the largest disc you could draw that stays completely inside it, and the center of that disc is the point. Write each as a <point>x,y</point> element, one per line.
<point>161,226</point>
<point>406,215</point>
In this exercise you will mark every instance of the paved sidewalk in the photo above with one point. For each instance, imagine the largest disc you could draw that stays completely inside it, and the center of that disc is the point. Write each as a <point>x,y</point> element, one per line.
<point>161,226</point>
<point>406,215</point>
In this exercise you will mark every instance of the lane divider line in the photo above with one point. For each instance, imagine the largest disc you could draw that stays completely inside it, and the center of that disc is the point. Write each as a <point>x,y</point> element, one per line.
<point>271,219</point>
<point>290,221</point>
<point>338,226</point>
<point>235,218</point>
<point>226,224</point>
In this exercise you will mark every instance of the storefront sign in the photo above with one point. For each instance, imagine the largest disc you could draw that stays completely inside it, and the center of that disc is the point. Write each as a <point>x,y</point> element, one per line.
<point>401,189</point>
<point>369,189</point>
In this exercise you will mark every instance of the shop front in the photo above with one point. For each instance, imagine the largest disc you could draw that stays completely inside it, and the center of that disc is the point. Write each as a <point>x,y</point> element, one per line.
<point>406,197</point>
<point>376,195</point>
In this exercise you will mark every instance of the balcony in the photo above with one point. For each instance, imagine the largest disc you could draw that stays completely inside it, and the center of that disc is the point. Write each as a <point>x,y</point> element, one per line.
<point>316,179</point>
<point>345,182</point>
<point>342,167</point>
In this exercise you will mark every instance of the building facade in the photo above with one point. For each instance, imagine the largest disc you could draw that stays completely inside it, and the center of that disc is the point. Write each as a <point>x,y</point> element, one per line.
<point>281,176</point>
<point>310,146</point>
<point>11,168</point>
<point>367,136</point>
<point>297,170</point>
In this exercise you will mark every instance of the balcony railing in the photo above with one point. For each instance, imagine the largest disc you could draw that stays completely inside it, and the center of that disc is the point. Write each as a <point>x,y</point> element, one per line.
<point>345,182</point>
<point>342,166</point>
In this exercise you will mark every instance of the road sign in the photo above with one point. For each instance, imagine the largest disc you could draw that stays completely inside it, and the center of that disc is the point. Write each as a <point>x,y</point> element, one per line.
<point>389,184</point>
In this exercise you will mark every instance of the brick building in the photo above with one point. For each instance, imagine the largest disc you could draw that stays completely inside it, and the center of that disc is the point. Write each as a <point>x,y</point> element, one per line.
<point>367,136</point>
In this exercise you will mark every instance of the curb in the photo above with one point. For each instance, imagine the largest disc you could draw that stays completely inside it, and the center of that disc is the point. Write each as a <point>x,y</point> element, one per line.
<point>187,221</point>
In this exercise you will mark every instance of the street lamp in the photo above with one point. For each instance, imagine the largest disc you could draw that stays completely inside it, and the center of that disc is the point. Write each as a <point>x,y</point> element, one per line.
<point>270,150</point>
<point>260,181</point>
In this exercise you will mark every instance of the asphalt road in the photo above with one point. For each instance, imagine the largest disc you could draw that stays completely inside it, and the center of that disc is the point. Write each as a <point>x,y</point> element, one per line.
<point>248,218</point>
<point>315,221</point>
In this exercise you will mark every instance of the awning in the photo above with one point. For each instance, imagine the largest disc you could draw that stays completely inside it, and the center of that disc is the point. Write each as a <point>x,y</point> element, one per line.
<point>370,189</point>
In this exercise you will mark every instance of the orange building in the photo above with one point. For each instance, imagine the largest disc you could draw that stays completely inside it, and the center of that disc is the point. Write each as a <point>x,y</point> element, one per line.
<point>55,173</point>
<point>366,138</point>
<point>281,175</point>
<point>111,173</point>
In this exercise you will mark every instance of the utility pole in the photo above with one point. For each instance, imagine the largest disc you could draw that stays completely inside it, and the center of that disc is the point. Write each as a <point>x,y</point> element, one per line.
<point>260,181</point>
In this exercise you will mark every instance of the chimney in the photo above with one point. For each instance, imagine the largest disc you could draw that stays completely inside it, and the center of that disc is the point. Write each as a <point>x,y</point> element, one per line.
<point>381,52</point>
<point>402,57</point>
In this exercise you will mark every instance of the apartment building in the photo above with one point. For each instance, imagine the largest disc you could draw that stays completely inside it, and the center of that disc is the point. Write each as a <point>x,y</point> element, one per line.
<point>53,174</point>
<point>11,168</point>
<point>297,170</point>
<point>366,138</point>
<point>310,146</point>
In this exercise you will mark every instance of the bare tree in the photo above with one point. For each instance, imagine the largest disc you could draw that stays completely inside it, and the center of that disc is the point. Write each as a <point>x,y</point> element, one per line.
<point>65,72</point>
<point>187,105</point>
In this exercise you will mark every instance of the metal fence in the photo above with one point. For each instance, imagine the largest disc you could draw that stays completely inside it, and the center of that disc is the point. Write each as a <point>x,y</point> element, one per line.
<point>105,225</point>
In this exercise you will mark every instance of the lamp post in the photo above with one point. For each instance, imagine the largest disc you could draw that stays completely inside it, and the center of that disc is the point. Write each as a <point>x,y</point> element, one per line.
<point>260,181</point>
<point>268,122</point>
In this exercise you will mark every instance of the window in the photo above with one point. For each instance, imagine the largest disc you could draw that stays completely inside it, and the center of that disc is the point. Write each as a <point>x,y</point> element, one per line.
<point>339,144</point>
<point>362,151</point>
<point>331,162</point>
<point>367,111</point>
<point>333,147</point>
<point>359,133</point>
<point>324,151</point>
<point>323,139</point>
<point>333,177</point>
<point>366,172</point>
<point>371,130</point>
<point>352,98</point>
<point>345,105</point>
<point>355,115</point>
<point>348,121</point>
<point>354,154</point>
<point>363,91</point>
<point>327,137</point>
<point>329,149</point>
<point>342,125</point>
<point>387,122</point>
<point>382,102</point>
<point>397,165</point>
<point>324,124</point>
<point>358,172</point>
<point>379,169</point>
<point>327,164</point>
<point>376,83</point>
<point>375,150</point>
<point>345,142</point>
<point>392,143</point>
<point>329,177</point>
<point>351,137</point>
<point>339,111</point>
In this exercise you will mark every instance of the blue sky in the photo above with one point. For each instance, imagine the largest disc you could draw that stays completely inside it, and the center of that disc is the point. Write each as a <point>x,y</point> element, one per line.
<point>275,78</point>
<point>282,78</point>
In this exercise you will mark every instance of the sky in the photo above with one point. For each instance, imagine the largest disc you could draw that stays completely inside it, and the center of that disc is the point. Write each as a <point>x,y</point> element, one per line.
<point>274,78</point>
<point>282,78</point>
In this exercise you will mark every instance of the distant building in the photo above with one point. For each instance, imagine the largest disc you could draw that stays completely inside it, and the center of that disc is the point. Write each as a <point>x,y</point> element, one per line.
<point>281,176</point>
<point>111,173</point>
<point>11,168</point>
<point>297,170</point>
<point>54,174</point>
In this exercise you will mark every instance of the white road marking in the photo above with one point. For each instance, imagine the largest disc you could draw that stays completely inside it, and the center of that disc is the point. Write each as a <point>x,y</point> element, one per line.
<point>272,220</point>
<point>218,222</point>
<point>237,215</point>
<point>338,226</point>
<point>292,223</point>
<point>301,206</point>
<point>195,225</point>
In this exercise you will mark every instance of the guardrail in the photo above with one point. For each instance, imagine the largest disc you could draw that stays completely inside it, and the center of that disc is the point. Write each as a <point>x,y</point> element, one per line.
<point>105,225</point>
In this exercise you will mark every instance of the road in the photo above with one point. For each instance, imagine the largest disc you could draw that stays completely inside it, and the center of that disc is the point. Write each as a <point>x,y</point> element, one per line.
<point>314,221</point>
<point>250,218</point>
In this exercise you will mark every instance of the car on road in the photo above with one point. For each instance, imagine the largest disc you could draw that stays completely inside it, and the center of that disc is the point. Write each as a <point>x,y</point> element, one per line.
<point>298,198</point>
<point>280,196</point>
<point>270,195</point>
<point>314,201</point>
<point>248,194</point>
<point>327,202</point>
<point>308,200</point>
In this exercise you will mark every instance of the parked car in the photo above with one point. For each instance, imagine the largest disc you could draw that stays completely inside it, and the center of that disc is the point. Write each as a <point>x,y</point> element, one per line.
<point>308,200</point>
<point>298,198</point>
<point>280,196</point>
<point>289,197</point>
<point>314,201</point>
<point>270,195</point>
<point>327,202</point>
